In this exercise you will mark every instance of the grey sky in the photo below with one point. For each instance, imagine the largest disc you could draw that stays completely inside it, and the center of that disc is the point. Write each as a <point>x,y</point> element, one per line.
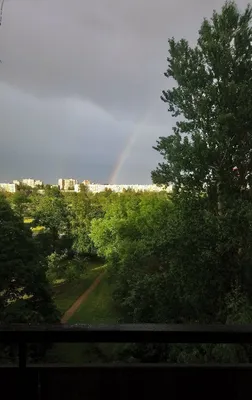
<point>80,78</point>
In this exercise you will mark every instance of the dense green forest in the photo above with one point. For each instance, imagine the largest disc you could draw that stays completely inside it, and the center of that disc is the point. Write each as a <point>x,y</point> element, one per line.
<point>184,257</point>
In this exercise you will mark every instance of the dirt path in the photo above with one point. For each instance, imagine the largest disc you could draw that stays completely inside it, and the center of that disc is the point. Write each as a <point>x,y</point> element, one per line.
<point>69,313</point>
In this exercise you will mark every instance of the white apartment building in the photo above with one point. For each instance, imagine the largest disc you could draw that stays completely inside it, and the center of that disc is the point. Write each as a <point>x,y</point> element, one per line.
<point>67,184</point>
<point>28,182</point>
<point>32,182</point>
<point>97,188</point>
<point>8,187</point>
<point>61,184</point>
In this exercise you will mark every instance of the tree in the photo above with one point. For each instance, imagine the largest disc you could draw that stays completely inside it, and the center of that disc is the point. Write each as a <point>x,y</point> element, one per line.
<point>208,159</point>
<point>131,236</point>
<point>25,189</point>
<point>210,149</point>
<point>52,213</point>
<point>188,259</point>
<point>20,202</point>
<point>84,208</point>
<point>25,292</point>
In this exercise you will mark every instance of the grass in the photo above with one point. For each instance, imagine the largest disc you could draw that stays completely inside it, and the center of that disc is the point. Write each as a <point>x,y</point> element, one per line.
<point>28,220</point>
<point>38,229</point>
<point>66,293</point>
<point>97,309</point>
<point>35,229</point>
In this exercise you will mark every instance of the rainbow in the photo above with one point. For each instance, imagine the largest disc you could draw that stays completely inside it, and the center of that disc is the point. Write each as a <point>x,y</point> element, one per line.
<point>124,155</point>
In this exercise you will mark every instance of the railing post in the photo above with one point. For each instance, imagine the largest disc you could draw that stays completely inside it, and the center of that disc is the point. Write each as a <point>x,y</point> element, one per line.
<point>22,367</point>
<point>22,355</point>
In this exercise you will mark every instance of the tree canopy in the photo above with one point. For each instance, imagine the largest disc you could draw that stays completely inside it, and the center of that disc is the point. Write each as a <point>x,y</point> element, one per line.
<point>188,258</point>
<point>84,207</point>
<point>210,149</point>
<point>50,211</point>
<point>25,293</point>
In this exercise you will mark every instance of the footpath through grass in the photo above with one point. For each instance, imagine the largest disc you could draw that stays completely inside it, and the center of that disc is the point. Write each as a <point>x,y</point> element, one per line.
<point>66,293</point>
<point>98,308</point>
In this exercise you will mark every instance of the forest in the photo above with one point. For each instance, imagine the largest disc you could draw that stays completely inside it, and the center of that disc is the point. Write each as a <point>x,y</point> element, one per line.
<point>180,257</point>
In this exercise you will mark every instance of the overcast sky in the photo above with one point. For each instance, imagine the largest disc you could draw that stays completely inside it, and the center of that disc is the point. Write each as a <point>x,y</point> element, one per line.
<point>80,85</point>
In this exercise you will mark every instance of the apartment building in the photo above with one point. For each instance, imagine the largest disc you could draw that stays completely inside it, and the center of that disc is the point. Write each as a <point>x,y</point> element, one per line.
<point>97,188</point>
<point>67,184</point>
<point>8,187</point>
<point>31,182</point>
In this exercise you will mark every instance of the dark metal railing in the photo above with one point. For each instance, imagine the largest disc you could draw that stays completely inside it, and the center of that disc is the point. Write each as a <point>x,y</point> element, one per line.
<point>144,333</point>
<point>126,381</point>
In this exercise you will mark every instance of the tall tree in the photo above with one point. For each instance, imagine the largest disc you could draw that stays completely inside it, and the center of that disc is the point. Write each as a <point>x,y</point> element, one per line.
<point>24,291</point>
<point>52,213</point>
<point>132,237</point>
<point>208,159</point>
<point>20,203</point>
<point>84,208</point>
<point>210,148</point>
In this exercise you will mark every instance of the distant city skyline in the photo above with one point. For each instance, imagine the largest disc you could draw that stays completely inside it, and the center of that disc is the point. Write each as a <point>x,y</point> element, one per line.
<point>68,177</point>
<point>70,184</point>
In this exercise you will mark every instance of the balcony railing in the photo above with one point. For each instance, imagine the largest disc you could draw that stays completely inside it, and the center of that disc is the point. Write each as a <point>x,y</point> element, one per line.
<point>124,381</point>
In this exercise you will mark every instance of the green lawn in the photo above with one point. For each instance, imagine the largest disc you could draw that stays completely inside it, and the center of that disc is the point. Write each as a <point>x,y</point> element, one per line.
<point>28,220</point>
<point>38,229</point>
<point>35,229</point>
<point>66,293</point>
<point>98,308</point>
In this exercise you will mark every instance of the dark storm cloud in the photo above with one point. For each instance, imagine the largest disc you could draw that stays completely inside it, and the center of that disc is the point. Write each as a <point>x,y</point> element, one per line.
<point>54,137</point>
<point>78,77</point>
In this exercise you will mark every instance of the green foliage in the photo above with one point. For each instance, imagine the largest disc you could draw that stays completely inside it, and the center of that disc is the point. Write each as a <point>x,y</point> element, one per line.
<point>84,208</point>
<point>54,271</point>
<point>213,100</point>
<point>211,272</point>
<point>50,211</point>
<point>59,267</point>
<point>25,189</point>
<point>20,203</point>
<point>25,293</point>
<point>188,259</point>
<point>131,237</point>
